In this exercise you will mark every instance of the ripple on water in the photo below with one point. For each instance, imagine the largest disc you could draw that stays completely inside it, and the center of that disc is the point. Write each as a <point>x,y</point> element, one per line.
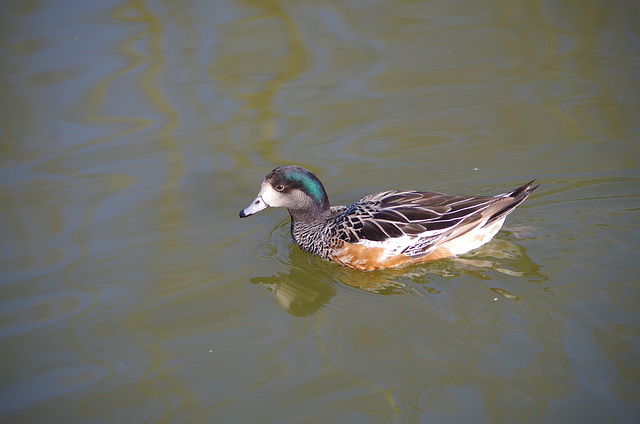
<point>24,314</point>
<point>49,385</point>
<point>262,250</point>
<point>275,247</point>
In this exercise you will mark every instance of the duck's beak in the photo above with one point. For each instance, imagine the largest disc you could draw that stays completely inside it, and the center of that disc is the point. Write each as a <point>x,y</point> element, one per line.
<point>256,206</point>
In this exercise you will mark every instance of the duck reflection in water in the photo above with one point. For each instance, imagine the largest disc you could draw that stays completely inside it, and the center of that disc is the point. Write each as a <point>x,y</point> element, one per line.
<point>309,283</point>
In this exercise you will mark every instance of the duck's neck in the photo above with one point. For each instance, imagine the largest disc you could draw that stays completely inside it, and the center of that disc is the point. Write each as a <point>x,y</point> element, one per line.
<point>312,233</point>
<point>310,214</point>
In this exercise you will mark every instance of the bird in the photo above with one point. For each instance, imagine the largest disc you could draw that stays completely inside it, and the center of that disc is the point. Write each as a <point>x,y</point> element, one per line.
<point>386,229</point>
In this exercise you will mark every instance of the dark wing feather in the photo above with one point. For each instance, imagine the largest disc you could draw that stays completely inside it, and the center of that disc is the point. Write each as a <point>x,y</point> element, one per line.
<point>372,230</point>
<point>419,212</point>
<point>428,216</point>
<point>390,214</point>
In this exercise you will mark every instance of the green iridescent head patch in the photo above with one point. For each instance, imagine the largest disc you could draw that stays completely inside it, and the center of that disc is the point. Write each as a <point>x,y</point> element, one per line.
<point>311,185</point>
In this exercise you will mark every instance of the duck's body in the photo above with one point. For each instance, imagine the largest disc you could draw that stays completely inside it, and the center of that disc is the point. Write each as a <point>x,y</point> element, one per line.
<point>384,229</point>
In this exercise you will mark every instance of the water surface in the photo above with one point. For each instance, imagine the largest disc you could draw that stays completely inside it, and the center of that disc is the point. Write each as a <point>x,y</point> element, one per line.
<point>133,132</point>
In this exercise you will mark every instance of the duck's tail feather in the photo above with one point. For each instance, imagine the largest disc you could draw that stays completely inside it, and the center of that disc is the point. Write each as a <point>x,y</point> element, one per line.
<point>517,196</point>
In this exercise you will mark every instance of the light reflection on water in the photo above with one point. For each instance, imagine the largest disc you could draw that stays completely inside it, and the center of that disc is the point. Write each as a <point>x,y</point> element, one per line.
<point>134,132</point>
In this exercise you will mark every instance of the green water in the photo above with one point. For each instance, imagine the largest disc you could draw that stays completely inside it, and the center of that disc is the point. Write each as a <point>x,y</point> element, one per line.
<point>132,134</point>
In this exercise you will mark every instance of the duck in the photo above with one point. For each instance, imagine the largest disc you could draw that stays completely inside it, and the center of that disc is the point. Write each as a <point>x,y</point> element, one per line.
<point>385,229</point>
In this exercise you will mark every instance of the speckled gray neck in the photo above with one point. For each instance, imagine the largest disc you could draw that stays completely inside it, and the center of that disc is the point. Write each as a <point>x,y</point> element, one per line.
<point>315,235</point>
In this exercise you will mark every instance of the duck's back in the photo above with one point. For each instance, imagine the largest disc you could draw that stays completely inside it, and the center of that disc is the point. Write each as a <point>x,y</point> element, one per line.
<point>393,227</point>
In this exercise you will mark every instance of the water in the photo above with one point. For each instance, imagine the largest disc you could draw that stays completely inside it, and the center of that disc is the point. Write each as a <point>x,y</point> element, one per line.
<point>134,132</point>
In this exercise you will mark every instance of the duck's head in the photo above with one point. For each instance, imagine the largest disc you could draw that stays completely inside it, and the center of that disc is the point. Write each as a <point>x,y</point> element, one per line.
<point>294,188</point>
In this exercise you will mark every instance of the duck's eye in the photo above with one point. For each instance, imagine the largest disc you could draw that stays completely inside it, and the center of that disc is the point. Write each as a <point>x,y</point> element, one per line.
<point>279,187</point>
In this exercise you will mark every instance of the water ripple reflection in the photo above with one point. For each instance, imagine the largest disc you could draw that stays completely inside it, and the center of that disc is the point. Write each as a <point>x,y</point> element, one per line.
<point>23,315</point>
<point>50,385</point>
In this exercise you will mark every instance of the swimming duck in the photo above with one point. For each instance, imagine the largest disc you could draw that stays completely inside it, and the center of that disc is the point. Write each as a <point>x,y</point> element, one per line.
<point>385,229</point>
